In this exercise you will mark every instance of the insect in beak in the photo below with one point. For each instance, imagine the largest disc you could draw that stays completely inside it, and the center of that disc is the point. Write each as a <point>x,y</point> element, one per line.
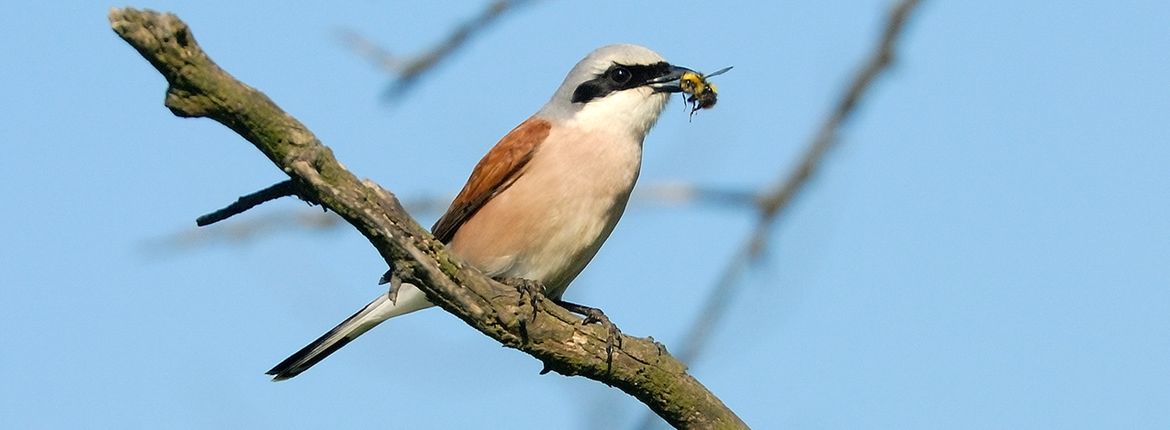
<point>702,94</point>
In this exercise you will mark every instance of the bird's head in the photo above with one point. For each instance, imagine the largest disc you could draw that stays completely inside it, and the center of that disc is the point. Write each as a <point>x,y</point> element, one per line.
<point>621,88</point>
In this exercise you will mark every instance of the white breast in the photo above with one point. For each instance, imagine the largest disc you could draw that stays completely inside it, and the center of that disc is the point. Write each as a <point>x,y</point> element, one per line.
<point>550,223</point>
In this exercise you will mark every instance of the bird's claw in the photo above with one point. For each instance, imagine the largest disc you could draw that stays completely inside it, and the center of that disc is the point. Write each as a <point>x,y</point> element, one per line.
<point>530,289</point>
<point>613,338</point>
<point>594,315</point>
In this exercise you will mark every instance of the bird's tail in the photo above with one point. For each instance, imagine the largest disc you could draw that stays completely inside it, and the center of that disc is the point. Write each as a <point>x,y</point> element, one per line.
<point>409,299</point>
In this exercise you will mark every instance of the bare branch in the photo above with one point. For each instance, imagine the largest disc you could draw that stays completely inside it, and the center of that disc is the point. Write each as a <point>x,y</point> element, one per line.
<point>664,194</point>
<point>774,202</point>
<point>408,70</point>
<point>199,88</point>
<point>242,230</point>
<point>681,193</point>
<point>280,189</point>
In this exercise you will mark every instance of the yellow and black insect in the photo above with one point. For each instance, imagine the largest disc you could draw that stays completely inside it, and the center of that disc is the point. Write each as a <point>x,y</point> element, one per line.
<point>702,94</point>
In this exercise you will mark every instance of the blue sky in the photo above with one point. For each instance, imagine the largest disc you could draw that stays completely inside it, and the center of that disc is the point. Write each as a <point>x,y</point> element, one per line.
<point>988,248</point>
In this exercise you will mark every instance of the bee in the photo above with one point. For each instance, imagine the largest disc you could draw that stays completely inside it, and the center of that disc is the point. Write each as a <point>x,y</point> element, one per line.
<point>702,94</point>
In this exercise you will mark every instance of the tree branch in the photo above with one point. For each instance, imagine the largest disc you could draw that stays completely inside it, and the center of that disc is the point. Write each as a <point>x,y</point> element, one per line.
<point>409,69</point>
<point>773,202</point>
<point>199,88</point>
<point>280,189</point>
<point>662,194</point>
<point>776,199</point>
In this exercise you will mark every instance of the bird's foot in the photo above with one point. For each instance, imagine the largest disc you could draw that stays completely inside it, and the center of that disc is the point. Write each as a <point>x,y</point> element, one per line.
<point>594,315</point>
<point>530,291</point>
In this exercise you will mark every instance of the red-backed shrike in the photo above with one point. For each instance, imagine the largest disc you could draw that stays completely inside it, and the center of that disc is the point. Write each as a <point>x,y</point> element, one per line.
<point>539,205</point>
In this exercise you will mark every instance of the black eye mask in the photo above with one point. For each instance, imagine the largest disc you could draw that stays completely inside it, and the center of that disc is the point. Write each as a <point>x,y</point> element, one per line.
<point>618,77</point>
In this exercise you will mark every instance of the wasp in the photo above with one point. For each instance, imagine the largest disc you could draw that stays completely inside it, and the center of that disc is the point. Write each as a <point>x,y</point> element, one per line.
<point>702,94</point>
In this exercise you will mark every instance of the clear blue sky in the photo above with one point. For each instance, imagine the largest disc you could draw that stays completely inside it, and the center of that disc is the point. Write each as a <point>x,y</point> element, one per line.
<point>989,248</point>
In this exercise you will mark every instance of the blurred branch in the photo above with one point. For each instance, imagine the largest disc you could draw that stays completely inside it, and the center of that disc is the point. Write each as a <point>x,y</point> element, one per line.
<point>664,194</point>
<point>408,70</point>
<point>773,202</point>
<point>683,194</point>
<point>197,87</point>
<point>777,199</point>
<point>242,230</point>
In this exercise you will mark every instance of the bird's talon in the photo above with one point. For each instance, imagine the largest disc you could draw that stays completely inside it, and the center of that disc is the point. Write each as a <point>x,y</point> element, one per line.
<point>531,289</point>
<point>594,315</point>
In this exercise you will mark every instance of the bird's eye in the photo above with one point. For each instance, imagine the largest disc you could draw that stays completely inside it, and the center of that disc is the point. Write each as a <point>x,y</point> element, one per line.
<point>620,75</point>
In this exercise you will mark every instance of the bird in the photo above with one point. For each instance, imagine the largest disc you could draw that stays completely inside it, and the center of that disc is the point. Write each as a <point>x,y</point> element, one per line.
<point>541,202</point>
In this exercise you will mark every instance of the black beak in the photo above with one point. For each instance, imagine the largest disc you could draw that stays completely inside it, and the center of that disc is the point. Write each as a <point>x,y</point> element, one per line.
<point>668,83</point>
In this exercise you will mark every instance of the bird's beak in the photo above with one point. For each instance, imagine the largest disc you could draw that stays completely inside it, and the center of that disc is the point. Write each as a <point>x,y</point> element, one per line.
<point>668,83</point>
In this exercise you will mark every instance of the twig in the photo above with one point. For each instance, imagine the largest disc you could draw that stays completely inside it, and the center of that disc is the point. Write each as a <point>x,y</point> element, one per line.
<point>666,194</point>
<point>243,230</point>
<point>409,70</point>
<point>280,189</point>
<point>680,193</point>
<point>773,203</point>
<point>199,88</point>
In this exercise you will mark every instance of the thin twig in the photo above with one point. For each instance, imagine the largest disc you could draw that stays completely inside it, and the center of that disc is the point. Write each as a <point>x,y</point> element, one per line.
<point>774,202</point>
<point>243,230</point>
<point>662,194</point>
<point>281,189</point>
<point>681,193</point>
<point>407,71</point>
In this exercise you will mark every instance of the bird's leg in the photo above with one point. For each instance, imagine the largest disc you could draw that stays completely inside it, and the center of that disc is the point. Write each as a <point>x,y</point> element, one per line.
<point>399,271</point>
<point>531,289</point>
<point>594,315</point>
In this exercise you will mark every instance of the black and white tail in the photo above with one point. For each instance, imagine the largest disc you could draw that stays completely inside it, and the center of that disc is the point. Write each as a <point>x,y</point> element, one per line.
<point>409,299</point>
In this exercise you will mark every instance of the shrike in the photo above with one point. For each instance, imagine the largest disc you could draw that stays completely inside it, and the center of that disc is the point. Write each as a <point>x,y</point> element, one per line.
<point>541,202</point>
